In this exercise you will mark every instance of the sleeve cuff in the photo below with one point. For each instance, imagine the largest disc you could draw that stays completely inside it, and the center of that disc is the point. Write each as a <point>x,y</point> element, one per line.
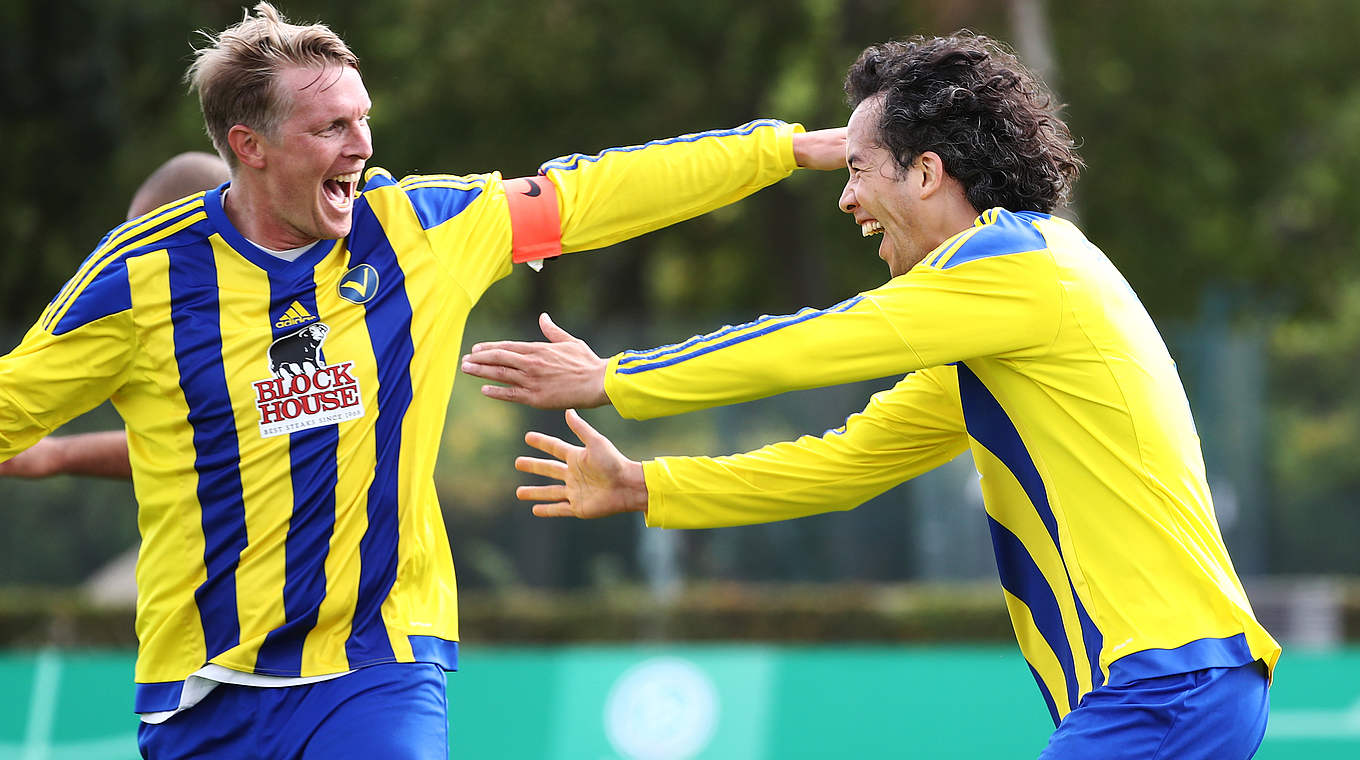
<point>786,133</point>
<point>652,472</point>
<point>614,389</point>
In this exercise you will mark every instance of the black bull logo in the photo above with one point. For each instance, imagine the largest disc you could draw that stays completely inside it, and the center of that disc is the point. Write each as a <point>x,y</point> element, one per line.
<point>298,353</point>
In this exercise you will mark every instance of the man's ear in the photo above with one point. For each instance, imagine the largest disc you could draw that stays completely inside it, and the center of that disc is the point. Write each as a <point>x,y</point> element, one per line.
<point>932,173</point>
<point>248,146</point>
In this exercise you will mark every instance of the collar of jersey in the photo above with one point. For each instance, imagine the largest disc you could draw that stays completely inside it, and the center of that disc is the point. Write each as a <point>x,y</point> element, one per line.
<point>212,203</point>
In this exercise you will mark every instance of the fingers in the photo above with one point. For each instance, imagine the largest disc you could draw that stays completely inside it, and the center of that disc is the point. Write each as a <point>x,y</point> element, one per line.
<point>491,372</point>
<point>548,444</point>
<point>556,492</point>
<point>560,509</point>
<point>551,331</point>
<point>498,392</point>
<point>508,346</point>
<point>581,428</point>
<point>496,361</point>
<point>548,468</point>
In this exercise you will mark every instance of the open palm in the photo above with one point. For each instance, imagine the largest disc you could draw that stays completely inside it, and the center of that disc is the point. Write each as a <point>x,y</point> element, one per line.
<point>595,480</point>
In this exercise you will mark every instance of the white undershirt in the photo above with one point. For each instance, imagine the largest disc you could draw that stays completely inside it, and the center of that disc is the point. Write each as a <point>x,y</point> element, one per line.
<point>210,676</point>
<point>291,254</point>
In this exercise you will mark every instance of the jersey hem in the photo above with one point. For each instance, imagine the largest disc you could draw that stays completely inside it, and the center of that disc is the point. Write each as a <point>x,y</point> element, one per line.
<point>1230,652</point>
<point>166,695</point>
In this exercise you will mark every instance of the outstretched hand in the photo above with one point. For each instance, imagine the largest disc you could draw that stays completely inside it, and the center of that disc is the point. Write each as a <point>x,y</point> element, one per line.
<point>559,374</point>
<point>596,479</point>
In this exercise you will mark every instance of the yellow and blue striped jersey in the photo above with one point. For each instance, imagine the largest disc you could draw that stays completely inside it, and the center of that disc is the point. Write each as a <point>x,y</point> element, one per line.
<point>1024,344</point>
<point>283,418</point>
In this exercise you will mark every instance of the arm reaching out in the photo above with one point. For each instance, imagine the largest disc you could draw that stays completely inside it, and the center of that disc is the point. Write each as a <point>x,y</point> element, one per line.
<point>103,455</point>
<point>560,374</point>
<point>596,480</point>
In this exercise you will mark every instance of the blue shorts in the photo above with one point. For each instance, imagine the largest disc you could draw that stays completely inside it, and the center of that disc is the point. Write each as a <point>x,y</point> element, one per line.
<point>397,711</point>
<point>1212,714</point>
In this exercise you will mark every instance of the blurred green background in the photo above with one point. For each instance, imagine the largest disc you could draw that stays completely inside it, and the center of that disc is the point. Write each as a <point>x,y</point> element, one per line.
<point>1222,140</point>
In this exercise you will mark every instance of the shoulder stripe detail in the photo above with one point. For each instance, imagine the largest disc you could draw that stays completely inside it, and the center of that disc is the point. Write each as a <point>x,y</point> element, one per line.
<point>438,202</point>
<point>633,363</point>
<point>948,247</point>
<point>568,163</point>
<point>127,232</point>
<point>442,180</point>
<point>376,176</point>
<point>997,232</point>
<point>153,230</point>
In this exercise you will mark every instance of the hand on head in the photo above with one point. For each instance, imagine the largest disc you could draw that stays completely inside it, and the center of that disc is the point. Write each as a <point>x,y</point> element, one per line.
<point>822,149</point>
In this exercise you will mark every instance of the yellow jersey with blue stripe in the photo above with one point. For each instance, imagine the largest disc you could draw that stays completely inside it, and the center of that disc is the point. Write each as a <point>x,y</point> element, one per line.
<point>283,417</point>
<point>1025,345</point>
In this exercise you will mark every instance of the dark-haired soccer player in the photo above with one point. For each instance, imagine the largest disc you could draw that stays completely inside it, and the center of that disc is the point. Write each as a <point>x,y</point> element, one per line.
<point>282,351</point>
<point>1023,344</point>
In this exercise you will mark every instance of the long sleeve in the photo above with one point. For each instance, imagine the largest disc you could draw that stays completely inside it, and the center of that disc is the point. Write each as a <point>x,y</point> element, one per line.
<point>995,306</point>
<point>906,430</point>
<point>602,199</point>
<point>51,377</point>
<point>624,192</point>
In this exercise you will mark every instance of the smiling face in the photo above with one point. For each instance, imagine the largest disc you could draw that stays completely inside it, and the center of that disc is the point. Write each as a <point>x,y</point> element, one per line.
<point>311,164</point>
<point>884,198</point>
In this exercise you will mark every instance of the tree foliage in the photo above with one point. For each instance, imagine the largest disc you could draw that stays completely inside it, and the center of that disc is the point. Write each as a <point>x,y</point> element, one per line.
<point>1221,140</point>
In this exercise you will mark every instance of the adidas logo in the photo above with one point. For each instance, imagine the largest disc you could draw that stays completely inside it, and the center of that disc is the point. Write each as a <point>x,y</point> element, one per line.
<point>295,315</point>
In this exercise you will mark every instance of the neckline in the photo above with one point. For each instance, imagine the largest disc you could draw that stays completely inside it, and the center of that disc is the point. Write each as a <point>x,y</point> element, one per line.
<point>212,203</point>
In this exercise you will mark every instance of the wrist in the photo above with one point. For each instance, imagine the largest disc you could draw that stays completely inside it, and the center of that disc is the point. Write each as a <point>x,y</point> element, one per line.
<point>601,398</point>
<point>52,453</point>
<point>635,487</point>
<point>800,154</point>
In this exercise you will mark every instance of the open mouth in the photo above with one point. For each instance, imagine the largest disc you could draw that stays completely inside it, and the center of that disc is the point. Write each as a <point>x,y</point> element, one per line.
<point>871,228</point>
<point>341,188</point>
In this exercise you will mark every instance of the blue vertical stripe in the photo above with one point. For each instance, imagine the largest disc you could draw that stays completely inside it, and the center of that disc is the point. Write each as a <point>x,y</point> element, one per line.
<point>1021,577</point>
<point>388,317</point>
<point>312,455</point>
<point>1048,696</point>
<point>989,425</point>
<point>194,314</point>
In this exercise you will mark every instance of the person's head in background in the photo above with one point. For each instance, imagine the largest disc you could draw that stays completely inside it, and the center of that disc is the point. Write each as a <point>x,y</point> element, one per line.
<point>184,174</point>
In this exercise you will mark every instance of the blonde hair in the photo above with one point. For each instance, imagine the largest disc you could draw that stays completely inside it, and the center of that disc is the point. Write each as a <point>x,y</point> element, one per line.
<point>236,74</point>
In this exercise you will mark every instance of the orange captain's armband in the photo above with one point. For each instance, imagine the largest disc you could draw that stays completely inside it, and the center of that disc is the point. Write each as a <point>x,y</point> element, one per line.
<point>536,226</point>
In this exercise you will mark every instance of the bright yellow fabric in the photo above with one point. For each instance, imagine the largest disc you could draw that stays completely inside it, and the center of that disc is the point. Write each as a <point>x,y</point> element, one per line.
<point>1024,344</point>
<point>293,540</point>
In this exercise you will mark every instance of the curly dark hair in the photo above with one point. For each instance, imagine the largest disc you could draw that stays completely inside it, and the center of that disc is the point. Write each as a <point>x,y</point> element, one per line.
<point>970,100</point>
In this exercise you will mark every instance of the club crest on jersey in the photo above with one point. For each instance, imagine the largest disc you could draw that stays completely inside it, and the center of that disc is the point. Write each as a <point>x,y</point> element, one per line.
<point>359,284</point>
<point>305,392</point>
